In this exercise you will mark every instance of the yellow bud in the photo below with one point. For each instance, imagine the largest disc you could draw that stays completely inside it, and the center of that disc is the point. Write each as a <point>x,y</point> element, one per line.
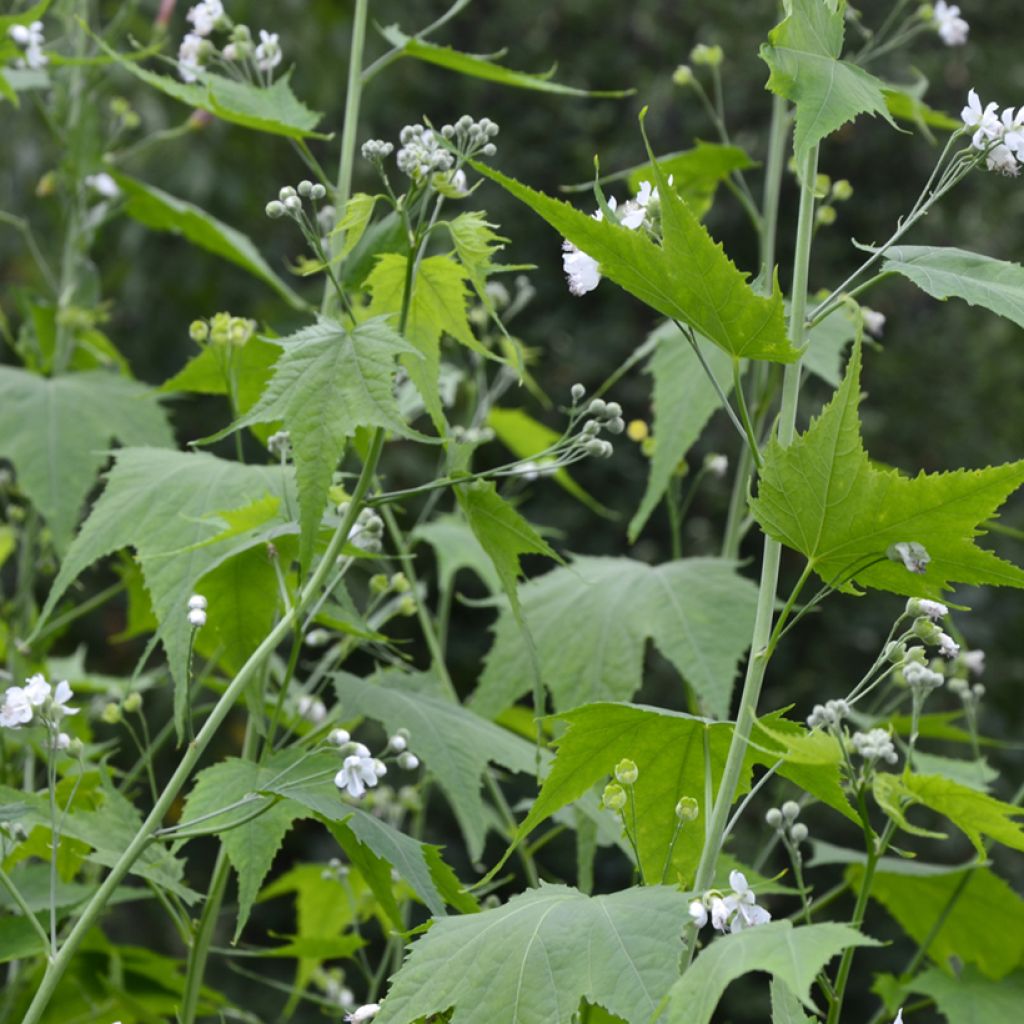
<point>637,430</point>
<point>683,76</point>
<point>111,714</point>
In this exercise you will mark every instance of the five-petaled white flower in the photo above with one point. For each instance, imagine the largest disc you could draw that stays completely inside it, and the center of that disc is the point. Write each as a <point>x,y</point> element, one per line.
<point>268,54</point>
<point>61,695</point>
<point>951,27</point>
<point>985,120</point>
<point>37,689</point>
<point>16,709</point>
<point>747,913</point>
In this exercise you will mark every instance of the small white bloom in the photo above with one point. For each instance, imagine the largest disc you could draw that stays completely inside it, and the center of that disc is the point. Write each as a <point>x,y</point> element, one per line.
<point>874,745</point>
<point>720,912</point>
<point>874,322</point>
<point>339,737</point>
<point>20,35</point>
<point>356,775</point>
<point>268,54</point>
<point>951,27</point>
<point>397,743</point>
<point>698,913</point>
<point>63,741</point>
<point>104,184</point>
<point>458,181</point>
<point>312,709</point>
<point>61,695</point>
<point>197,601</point>
<point>1001,160</point>
<point>196,618</point>
<point>408,761</point>
<point>190,57</point>
<point>30,39</point>
<point>974,661</point>
<point>16,709</point>
<point>204,16</point>
<point>935,610</point>
<point>363,1013</point>
<point>37,689</point>
<point>581,270</point>
<point>717,465</point>
<point>948,647</point>
<point>985,121</point>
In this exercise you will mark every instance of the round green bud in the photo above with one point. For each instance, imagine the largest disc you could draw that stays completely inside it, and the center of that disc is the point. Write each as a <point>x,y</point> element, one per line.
<point>798,833</point>
<point>708,56</point>
<point>274,209</point>
<point>613,409</point>
<point>597,407</point>
<point>825,216</point>
<point>616,425</point>
<point>407,607</point>
<point>791,810</point>
<point>198,330</point>
<point>379,583</point>
<point>220,328</point>
<point>305,188</point>
<point>774,817</point>
<point>687,809</point>
<point>75,747</point>
<point>841,190</point>
<point>626,772</point>
<point>400,584</point>
<point>613,797</point>
<point>822,183</point>
<point>111,714</point>
<point>578,392</point>
<point>317,192</point>
<point>286,193</point>
<point>683,76</point>
<point>133,702</point>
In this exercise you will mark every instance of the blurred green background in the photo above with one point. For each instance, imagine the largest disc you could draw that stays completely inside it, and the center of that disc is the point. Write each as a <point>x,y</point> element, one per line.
<point>943,387</point>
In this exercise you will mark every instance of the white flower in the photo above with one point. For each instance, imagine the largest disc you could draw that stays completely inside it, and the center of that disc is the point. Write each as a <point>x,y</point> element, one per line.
<point>312,709</point>
<point>985,122</point>
<point>951,27</point>
<point>1000,159</point>
<point>204,16</point>
<point>720,911</point>
<point>37,690</point>
<point>747,913</point>
<point>16,709</point>
<point>196,618</point>
<point>581,270</point>
<point>935,610</point>
<point>61,695</point>
<point>874,322</point>
<point>363,1013</point>
<point>356,775</point>
<point>30,39</point>
<point>698,913</point>
<point>190,57</point>
<point>268,54</point>
<point>21,35</point>
<point>63,741</point>
<point>104,184</point>
<point>948,647</point>
<point>974,661</point>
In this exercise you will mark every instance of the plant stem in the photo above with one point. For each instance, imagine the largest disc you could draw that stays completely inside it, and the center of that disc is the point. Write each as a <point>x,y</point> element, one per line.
<point>772,550</point>
<point>8,884</point>
<point>55,970</point>
<point>350,125</point>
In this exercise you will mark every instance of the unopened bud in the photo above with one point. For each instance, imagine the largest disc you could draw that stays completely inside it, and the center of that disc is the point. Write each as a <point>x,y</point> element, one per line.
<point>407,607</point>
<point>791,810</point>
<point>397,743</point>
<point>613,797</point>
<point>111,713</point>
<point>774,817</point>
<point>708,56</point>
<point>339,737</point>
<point>317,192</point>
<point>683,76</point>
<point>408,761</point>
<point>133,702</point>
<point>798,833</point>
<point>626,772</point>
<point>825,216</point>
<point>305,187</point>
<point>687,809</point>
<point>597,407</point>
<point>400,583</point>
<point>616,425</point>
<point>379,583</point>
<point>274,209</point>
<point>841,190</point>
<point>198,330</point>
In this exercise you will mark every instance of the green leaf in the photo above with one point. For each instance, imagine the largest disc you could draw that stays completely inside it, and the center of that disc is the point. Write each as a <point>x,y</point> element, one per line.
<point>684,401</point>
<point>904,102</point>
<point>354,221</point>
<point>786,1007</point>
<point>533,960</point>
<point>164,504</point>
<point>503,533</point>
<point>328,383</point>
<point>252,845</point>
<point>792,955</point>
<point>160,211</point>
<point>455,547</point>
<point>475,243</point>
<point>591,621</point>
<point>977,774</point>
<point>454,744</point>
<point>57,432</point>
<point>688,277</point>
<point>437,306</point>
<point>982,918</point>
<point>474,66</point>
<point>826,346</point>
<point>824,497</point>
<point>802,52</point>
<point>972,998</point>
<point>975,814</point>
<point>273,109</point>
<point>525,437</point>
<point>979,280</point>
<point>668,749</point>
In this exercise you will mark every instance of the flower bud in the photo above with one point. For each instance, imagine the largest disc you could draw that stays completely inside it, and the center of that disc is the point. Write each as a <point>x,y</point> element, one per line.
<point>927,631</point>
<point>597,407</point>
<point>274,209</point>
<point>400,583</point>
<point>196,618</point>
<point>293,204</point>
<point>687,809</point>
<point>378,583</point>
<point>825,216</point>
<point>111,713</point>
<point>75,747</point>
<point>339,737</point>
<point>683,76</point>
<point>133,702</point>
<point>408,761</point>
<point>198,331</point>
<point>305,188</point>
<point>612,409</point>
<point>626,772</point>
<point>773,817</point>
<point>895,653</point>
<point>286,193</point>
<point>407,607</point>
<point>822,184</point>
<point>578,393</point>
<point>841,190</point>
<point>317,192</point>
<point>616,425</point>
<point>798,833</point>
<point>708,56</point>
<point>791,810</point>
<point>613,797</point>
<point>397,743</point>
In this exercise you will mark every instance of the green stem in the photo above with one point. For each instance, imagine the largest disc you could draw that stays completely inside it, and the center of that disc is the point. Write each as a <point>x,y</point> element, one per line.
<point>55,970</point>
<point>772,550</point>
<point>200,951</point>
<point>8,884</point>
<point>525,855</point>
<point>350,126</point>
<point>741,402</point>
<point>719,390</point>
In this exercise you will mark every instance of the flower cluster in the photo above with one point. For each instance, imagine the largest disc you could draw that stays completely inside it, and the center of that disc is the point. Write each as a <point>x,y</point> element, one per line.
<point>875,745</point>
<point>29,38</point>
<point>999,137</point>
<point>222,329</point>
<point>422,152</point>
<point>731,913</point>
<point>366,531</point>
<point>642,211</point>
<point>38,701</point>
<point>360,770</point>
<point>946,20</point>
<point>783,820</point>
<point>197,611</point>
<point>830,713</point>
<point>197,51</point>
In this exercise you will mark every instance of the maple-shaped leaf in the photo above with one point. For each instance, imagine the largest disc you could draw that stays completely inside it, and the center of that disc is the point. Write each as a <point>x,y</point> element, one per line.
<point>688,277</point>
<point>824,497</point>
<point>803,54</point>
<point>329,382</point>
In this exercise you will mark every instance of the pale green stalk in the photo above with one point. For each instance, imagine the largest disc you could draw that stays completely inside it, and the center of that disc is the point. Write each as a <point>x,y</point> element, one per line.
<point>55,970</point>
<point>772,549</point>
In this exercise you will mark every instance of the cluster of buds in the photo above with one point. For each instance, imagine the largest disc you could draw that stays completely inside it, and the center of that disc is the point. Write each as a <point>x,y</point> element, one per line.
<point>471,138</point>
<point>829,193</point>
<point>289,200</point>
<point>422,153</point>
<point>875,745</point>
<point>29,39</point>
<point>602,415</point>
<point>783,820</point>
<point>945,19</point>
<point>999,136</point>
<point>197,611</point>
<point>397,583</point>
<point>614,798</point>
<point>732,912</point>
<point>239,54</point>
<point>37,702</point>
<point>366,531</point>
<point>222,330</point>
<point>360,770</point>
<point>642,211</point>
<point>828,715</point>
<point>280,444</point>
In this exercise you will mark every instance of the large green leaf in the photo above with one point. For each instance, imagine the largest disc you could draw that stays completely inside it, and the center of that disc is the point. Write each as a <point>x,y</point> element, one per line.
<point>456,547</point>
<point>327,383</point>
<point>474,66</point>
<point>786,1008</point>
<point>165,505</point>
<point>972,998</point>
<point>975,814</point>
<point>454,744</point>
<point>251,843</point>
<point>57,432</point>
<point>824,497</point>
<point>160,211</point>
<point>688,277</point>
<point>980,919</point>
<point>533,960</point>
<point>803,54</point>
<point>979,280</point>
<point>437,305</point>
<point>591,621</point>
<point>669,750</point>
<point>792,955</point>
